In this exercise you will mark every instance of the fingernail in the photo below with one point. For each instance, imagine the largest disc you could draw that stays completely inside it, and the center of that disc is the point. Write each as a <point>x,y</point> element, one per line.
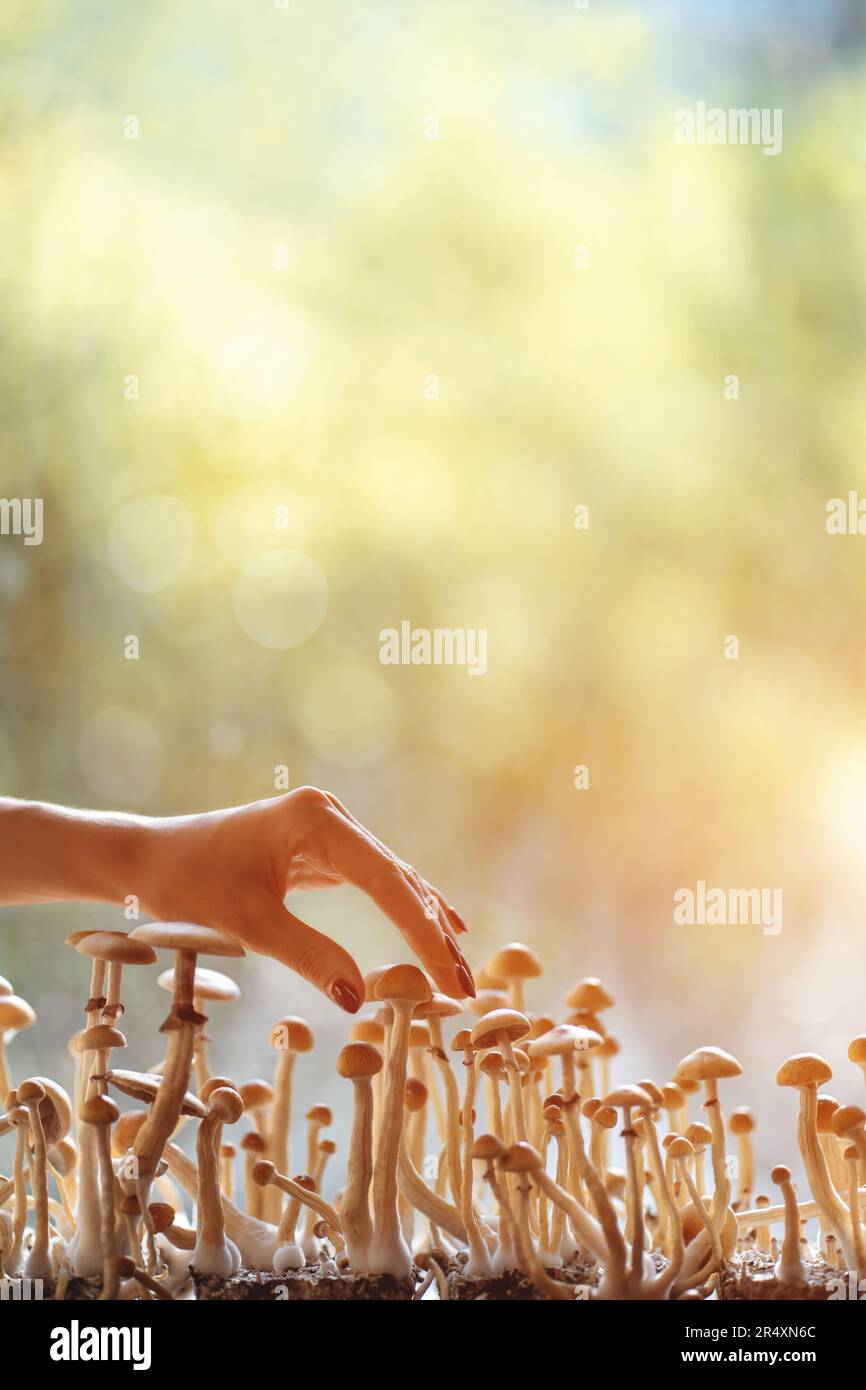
<point>343,994</point>
<point>453,948</point>
<point>465,980</point>
<point>459,924</point>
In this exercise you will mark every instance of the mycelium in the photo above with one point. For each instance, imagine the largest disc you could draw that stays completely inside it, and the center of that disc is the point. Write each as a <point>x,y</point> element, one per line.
<point>359,1062</point>
<point>404,987</point>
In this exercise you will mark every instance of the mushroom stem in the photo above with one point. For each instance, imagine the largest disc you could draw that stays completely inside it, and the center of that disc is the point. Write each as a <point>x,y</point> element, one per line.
<point>854,1209</point>
<point>389,1253</point>
<point>128,1269</point>
<point>38,1264</point>
<point>265,1174</point>
<point>515,1083</point>
<point>452,1109</point>
<point>355,1204</point>
<point>212,1254</point>
<point>790,1265</point>
<point>434,1207</point>
<point>831,1208</point>
<point>21,1121</point>
<point>282,1109</point>
<point>479,1259</point>
<point>110,1273</point>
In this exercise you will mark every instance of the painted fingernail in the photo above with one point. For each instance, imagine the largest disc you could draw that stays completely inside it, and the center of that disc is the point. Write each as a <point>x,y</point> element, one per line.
<point>343,994</point>
<point>459,924</point>
<point>453,948</point>
<point>465,980</point>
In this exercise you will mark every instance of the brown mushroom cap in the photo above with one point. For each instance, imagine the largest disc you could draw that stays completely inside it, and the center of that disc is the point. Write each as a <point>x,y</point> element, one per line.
<point>438,1006</point>
<point>515,962</point>
<point>652,1091</point>
<point>605,1116</point>
<point>207,984</point>
<point>126,1130</point>
<point>226,1102</point>
<point>15,1014</point>
<point>256,1093</point>
<point>486,1000</point>
<point>846,1118</point>
<point>609,1047</point>
<point>320,1114</point>
<point>186,936</point>
<point>623,1097</point>
<point>144,1086</point>
<point>490,1028</point>
<point>487,1147</point>
<point>699,1134</point>
<point>99,1110</point>
<point>415,1093</point>
<point>672,1095</point>
<point>708,1064</point>
<point>254,1143</point>
<point>493,1064</point>
<point>101,1035</point>
<point>116,947</point>
<point>403,984</point>
<point>520,1158</point>
<point>679,1147</point>
<point>75,936</point>
<point>367,1030</point>
<point>358,1060</point>
<point>781,1173</point>
<point>30,1092</point>
<point>562,1039</point>
<point>741,1120</point>
<point>857,1051</point>
<point>804,1069</point>
<point>162,1214</point>
<point>291,1034</point>
<point>590,994</point>
<point>462,1040</point>
<point>55,1110</point>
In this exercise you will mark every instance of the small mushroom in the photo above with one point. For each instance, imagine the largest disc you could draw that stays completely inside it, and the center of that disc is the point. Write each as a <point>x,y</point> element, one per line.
<point>214,1253</point>
<point>100,1112</point>
<point>805,1072</point>
<point>209,986</point>
<point>15,1015</point>
<point>291,1037</point>
<point>790,1265</point>
<point>515,964</point>
<point>741,1123</point>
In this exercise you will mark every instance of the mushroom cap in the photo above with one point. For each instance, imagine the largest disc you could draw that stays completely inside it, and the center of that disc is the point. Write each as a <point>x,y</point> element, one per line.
<point>254,1143</point>
<point>438,1006</point>
<point>605,1116</point>
<point>487,1147</point>
<point>291,1034</point>
<point>485,979</point>
<point>207,984</point>
<point>492,1064</point>
<point>562,1039</point>
<point>672,1095</point>
<point>30,1092</point>
<point>358,1060</point>
<point>101,1035</point>
<point>226,1102</point>
<point>515,962</point>
<point>609,1046</point>
<point>371,979</point>
<point>520,1158</point>
<point>491,1027</point>
<point>264,1171</point>
<point>116,947</point>
<point>414,1094</point>
<point>403,984</point>
<point>522,1061</point>
<point>652,1091</point>
<point>679,1147</point>
<point>15,1013</point>
<point>55,1110</point>
<point>144,1086</point>
<point>63,1156</point>
<point>486,1000</point>
<point>781,1173</point>
<point>255,1093</point>
<point>5,986</point>
<point>540,1024</point>
<point>826,1109</point>
<point>186,936</point>
<point>99,1110</point>
<point>126,1129</point>
<point>328,1146</point>
<point>367,1030</point>
<point>741,1120</point>
<point>206,1090</point>
<point>320,1115</point>
<point>699,1134</point>
<point>623,1097</point>
<point>75,936</point>
<point>708,1064</point>
<point>584,1018</point>
<point>589,993</point>
<point>846,1118</point>
<point>857,1051</point>
<point>462,1040</point>
<point>804,1069</point>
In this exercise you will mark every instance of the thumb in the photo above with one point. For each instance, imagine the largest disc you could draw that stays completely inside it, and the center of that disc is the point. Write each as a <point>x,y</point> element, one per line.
<point>270,929</point>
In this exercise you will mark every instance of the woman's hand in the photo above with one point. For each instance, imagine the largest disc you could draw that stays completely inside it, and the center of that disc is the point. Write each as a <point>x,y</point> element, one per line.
<point>231,870</point>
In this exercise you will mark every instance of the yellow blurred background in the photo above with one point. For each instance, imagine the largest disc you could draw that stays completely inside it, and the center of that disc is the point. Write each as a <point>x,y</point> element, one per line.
<point>376,298</point>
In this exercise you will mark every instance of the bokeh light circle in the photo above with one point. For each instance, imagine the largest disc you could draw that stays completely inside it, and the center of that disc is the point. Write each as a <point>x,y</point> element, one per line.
<point>280,598</point>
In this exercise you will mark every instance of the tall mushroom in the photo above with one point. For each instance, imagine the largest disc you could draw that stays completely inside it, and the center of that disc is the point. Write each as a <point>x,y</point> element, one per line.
<point>100,1112</point>
<point>188,941</point>
<point>404,987</point>
<point>214,1253</point>
<point>359,1062</point>
<point>515,963</point>
<point>501,1029</point>
<point>790,1265</point>
<point>806,1071</point>
<point>290,1036</point>
<point>710,1065</point>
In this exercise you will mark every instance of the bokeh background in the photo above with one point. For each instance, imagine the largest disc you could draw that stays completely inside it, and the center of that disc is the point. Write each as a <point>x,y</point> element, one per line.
<point>336,274</point>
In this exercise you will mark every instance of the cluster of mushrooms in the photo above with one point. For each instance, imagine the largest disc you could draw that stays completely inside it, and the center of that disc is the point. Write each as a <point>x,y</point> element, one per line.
<point>103,1202</point>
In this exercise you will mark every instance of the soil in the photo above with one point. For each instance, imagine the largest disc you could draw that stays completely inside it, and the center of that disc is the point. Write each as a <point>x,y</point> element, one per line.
<point>751,1277</point>
<point>512,1284</point>
<point>303,1285</point>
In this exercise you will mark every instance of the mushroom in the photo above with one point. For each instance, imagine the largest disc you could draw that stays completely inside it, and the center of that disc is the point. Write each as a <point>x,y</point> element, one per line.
<point>590,996</point>
<point>806,1071</point>
<point>187,941</point>
<point>228,1153</point>
<point>213,1253</point>
<point>128,1269</point>
<point>254,1148</point>
<point>433,1010</point>
<point>100,1112</point>
<point>478,1260</point>
<point>521,1159</point>
<point>709,1065</point>
<point>741,1123</point>
<point>404,987</point>
<point>857,1053</point>
<point>790,1266</point>
<point>15,1015</point>
<point>627,1098</point>
<point>116,949</point>
<point>681,1152</point>
<point>29,1094</point>
<point>359,1062</point>
<point>851,1157</point>
<point>20,1121</point>
<point>210,986</point>
<point>264,1173</point>
<point>700,1136</point>
<point>515,963</point>
<point>501,1029</point>
<point>290,1036</point>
